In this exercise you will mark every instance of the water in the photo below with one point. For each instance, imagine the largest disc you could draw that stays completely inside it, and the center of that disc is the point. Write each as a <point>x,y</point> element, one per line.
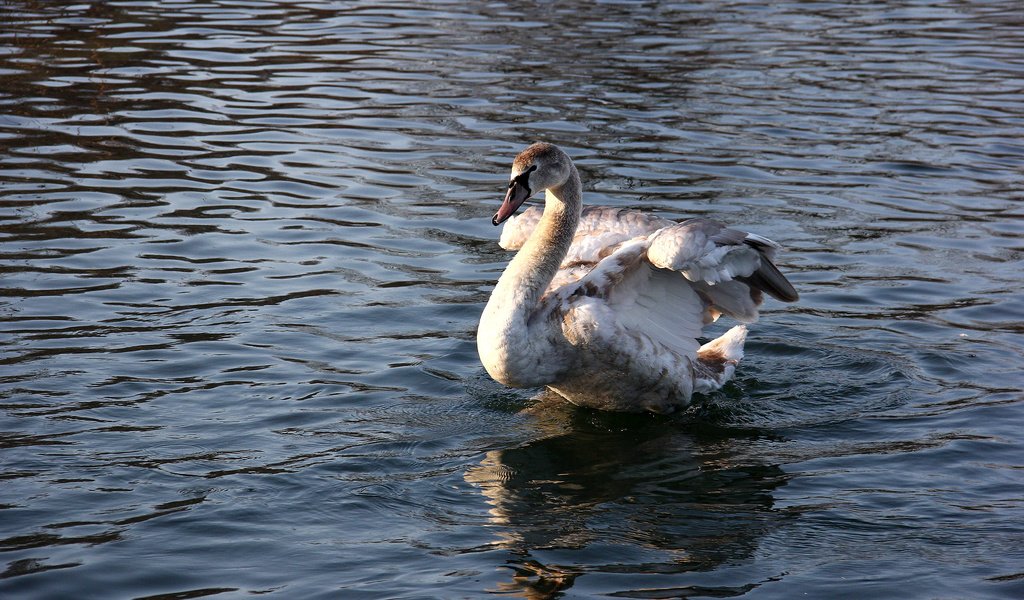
<point>245,246</point>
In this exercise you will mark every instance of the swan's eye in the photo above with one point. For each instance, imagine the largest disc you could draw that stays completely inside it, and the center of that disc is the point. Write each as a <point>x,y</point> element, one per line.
<point>523,177</point>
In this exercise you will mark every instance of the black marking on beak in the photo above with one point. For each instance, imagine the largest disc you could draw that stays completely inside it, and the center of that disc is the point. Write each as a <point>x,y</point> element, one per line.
<point>519,191</point>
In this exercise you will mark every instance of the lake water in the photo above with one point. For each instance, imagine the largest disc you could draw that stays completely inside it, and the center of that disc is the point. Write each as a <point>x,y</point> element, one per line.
<point>245,246</point>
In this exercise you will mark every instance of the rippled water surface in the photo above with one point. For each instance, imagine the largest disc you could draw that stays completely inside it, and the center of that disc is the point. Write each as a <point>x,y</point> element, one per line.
<point>245,246</point>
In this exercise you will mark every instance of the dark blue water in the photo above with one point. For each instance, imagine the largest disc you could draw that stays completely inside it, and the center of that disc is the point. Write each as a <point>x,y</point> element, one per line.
<point>244,247</point>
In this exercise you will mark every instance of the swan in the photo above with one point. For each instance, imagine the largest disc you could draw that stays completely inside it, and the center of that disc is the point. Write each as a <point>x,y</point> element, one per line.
<point>604,306</point>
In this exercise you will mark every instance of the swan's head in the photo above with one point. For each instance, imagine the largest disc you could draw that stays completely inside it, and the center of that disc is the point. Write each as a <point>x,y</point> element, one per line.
<point>539,167</point>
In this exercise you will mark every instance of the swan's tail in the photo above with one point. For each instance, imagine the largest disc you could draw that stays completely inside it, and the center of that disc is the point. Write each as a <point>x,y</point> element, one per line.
<point>717,360</point>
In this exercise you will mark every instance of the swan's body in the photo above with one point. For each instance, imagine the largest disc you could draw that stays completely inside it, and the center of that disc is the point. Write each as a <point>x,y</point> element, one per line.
<point>604,306</point>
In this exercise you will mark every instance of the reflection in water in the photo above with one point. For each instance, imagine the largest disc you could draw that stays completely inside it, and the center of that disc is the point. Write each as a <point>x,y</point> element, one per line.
<point>654,494</point>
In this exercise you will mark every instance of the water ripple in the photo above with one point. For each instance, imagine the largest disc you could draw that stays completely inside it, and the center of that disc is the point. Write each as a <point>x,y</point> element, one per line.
<point>243,249</point>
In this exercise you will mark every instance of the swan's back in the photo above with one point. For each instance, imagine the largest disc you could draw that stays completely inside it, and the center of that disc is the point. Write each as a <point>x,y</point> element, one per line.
<point>602,230</point>
<point>596,222</point>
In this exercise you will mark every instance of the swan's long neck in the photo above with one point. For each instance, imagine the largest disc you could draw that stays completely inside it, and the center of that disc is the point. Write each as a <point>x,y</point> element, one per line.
<point>506,337</point>
<point>534,266</point>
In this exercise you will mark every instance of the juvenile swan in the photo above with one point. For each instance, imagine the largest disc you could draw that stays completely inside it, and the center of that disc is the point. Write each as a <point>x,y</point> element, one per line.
<point>604,306</point>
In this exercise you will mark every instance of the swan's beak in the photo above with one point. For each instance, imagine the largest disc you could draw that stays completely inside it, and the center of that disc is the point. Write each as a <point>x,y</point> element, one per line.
<point>517,194</point>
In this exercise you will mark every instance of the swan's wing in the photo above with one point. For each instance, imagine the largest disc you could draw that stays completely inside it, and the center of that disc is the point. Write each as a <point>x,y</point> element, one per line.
<point>600,227</point>
<point>673,282</point>
<point>639,312</point>
<point>730,265</point>
<point>624,294</point>
<point>723,271</point>
<point>518,227</point>
<point>601,232</point>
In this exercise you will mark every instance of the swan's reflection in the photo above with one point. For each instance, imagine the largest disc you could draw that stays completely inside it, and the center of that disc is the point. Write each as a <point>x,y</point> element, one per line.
<point>624,494</point>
